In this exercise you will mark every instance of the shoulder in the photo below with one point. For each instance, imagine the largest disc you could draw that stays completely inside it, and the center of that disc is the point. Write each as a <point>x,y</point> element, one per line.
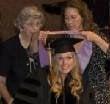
<point>10,42</point>
<point>10,45</point>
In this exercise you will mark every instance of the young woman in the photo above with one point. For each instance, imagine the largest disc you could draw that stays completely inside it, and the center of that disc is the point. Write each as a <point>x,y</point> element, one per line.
<point>65,76</point>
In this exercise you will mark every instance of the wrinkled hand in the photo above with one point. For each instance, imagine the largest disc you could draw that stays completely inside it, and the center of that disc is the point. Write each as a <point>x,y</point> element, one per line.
<point>43,36</point>
<point>89,35</point>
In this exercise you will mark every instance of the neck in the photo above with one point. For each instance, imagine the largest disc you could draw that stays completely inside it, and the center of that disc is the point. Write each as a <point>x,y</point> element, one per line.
<point>25,41</point>
<point>29,41</point>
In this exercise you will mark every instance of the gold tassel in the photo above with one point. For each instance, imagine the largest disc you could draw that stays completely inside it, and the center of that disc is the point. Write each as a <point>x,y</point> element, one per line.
<point>50,56</point>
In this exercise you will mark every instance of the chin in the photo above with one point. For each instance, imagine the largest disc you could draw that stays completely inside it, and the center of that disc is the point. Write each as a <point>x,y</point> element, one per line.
<point>66,71</point>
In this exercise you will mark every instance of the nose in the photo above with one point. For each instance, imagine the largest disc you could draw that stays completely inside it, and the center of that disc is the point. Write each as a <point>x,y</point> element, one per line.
<point>35,27</point>
<point>64,61</point>
<point>68,21</point>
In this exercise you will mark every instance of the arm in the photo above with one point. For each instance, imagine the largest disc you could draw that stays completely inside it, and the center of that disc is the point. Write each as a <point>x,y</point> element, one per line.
<point>101,43</point>
<point>5,62</point>
<point>44,34</point>
<point>4,91</point>
<point>93,37</point>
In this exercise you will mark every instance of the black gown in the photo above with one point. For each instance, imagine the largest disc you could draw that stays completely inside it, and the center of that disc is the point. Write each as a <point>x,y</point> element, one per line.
<point>34,89</point>
<point>66,97</point>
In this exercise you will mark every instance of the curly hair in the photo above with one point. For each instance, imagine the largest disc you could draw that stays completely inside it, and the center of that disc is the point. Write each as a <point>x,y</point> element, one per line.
<point>84,11</point>
<point>75,83</point>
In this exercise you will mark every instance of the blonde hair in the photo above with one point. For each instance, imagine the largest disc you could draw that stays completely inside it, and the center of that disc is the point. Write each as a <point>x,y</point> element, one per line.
<point>75,83</point>
<point>29,12</point>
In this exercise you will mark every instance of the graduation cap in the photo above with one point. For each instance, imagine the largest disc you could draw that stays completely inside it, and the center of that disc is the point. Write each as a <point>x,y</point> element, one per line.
<point>62,45</point>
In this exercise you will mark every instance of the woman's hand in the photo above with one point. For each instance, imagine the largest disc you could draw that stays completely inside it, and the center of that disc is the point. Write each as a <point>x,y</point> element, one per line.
<point>90,36</point>
<point>93,37</point>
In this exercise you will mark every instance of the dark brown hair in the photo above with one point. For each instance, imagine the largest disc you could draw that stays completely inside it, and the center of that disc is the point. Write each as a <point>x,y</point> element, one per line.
<point>85,13</point>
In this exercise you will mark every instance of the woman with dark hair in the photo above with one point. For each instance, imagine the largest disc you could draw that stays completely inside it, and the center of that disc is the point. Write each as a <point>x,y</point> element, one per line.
<point>92,52</point>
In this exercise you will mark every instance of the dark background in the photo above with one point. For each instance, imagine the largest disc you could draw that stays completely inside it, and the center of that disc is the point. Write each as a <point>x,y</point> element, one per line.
<point>100,10</point>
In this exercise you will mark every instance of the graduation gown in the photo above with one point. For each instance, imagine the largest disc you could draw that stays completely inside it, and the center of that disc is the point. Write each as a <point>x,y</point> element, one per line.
<point>34,89</point>
<point>65,97</point>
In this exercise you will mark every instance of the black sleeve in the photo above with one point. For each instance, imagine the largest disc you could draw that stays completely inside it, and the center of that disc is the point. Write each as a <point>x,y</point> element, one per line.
<point>107,63</point>
<point>5,59</point>
<point>108,52</point>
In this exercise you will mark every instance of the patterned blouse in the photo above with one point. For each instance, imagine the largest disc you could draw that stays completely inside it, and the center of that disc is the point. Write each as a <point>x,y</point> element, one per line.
<point>95,77</point>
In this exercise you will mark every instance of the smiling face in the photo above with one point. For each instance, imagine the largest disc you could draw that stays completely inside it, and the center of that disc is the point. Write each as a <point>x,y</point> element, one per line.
<point>65,62</point>
<point>72,19</point>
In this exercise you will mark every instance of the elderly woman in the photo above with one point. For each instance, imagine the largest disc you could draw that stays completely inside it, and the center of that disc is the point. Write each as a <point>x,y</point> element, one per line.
<point>20,54</point>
